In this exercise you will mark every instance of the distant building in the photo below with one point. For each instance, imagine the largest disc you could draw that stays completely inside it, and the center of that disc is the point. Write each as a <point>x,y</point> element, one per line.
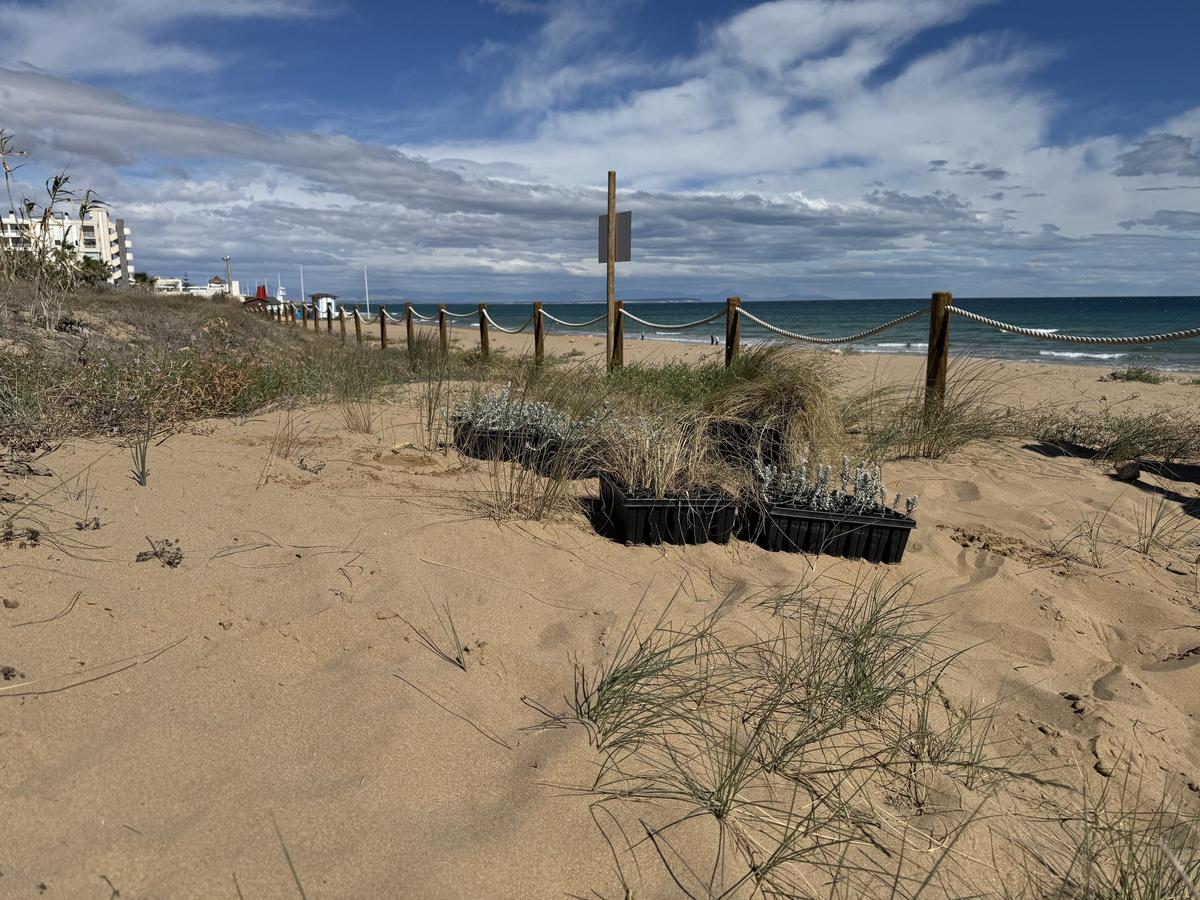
<point>95,236</point>
<point>211,288</point>
<point>325,302</point>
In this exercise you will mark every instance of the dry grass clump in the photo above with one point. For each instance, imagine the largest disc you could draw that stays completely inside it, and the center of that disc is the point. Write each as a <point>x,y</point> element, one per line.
<point>971,411</point>
<point>1159,434</point>
<point>659,455</point>
<point>784,406</point>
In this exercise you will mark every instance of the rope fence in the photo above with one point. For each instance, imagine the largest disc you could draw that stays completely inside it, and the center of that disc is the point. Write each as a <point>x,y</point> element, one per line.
<point>668,327</point>
<point>940,311</point>
<point>1046,335</point>
<point>849,339</point>
<point>492,322</point>
<point>566,324</point>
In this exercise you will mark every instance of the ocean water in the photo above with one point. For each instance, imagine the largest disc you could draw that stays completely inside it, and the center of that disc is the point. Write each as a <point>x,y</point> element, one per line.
<point>1092,316</point>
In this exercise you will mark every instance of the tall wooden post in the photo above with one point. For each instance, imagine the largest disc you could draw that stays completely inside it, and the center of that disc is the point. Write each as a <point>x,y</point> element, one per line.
<point>443,333</point>
<point>613,320</point>
<point>733,330</point>
<point>539,333</point>
<point>357,325</point>
<point>329,318</point>
<point>410,332</point>
<point>939,353</point>
<point>304,316</point>
<point>484,348</point>
<point>382,327</point>
<point>342,322</point>
<point>618,352</point>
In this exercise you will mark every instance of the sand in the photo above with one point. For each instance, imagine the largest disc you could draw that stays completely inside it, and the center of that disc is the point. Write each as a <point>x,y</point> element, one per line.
<point>293,706</point>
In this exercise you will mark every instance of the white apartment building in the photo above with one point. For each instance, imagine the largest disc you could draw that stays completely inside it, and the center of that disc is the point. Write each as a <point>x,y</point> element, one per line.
<point>96,236</point>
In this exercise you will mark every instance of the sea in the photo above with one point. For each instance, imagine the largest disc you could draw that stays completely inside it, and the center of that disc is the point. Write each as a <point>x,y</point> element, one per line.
<point>1092,316</point>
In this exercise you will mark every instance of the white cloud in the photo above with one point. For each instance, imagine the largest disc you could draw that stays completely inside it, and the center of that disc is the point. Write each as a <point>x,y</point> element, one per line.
<point>123,37</point>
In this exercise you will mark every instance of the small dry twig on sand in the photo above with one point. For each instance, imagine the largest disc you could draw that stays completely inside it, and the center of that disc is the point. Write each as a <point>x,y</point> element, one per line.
<point>288,856</point>
<point>164,550</point>
<point>70,606</point>
<point>125,663</point>
<point>490,735</point>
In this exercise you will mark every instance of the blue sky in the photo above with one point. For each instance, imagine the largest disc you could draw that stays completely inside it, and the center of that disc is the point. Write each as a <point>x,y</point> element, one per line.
<point>793,148</point>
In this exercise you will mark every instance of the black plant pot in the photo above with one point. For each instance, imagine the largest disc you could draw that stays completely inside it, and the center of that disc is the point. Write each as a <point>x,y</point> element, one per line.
<point>696,518</point>
<point>879,539</point>
<point>489,443</point>
<point>544,455</point>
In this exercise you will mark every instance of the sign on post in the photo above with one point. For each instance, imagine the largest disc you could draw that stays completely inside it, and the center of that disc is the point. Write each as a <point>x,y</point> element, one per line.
<point>624,238</point>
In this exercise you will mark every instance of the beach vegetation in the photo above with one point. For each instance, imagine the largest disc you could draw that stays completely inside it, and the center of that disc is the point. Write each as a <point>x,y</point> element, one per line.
<point>1138,374</point>
<point>448,646</point>
<point>1163,524</point>
<point>139,453</point>
<point>815,744</point>
<point>897,426</point>
<point>861,491</point>
<point>1113,432</point>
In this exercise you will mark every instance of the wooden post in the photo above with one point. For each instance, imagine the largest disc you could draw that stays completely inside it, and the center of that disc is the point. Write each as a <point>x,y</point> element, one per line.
<point>539,333</point>
<point>357,325</point>
<point>443,333</point>
<point>618,353</point>
<point>382,327</point>
<point>613,319</point>
<point>329,318</point>
<point>342,322</point>
<point>939,352</point>
<point>410,332</point>
<point>484,348</point>
<point>733,330</point>
<point>304,316</point>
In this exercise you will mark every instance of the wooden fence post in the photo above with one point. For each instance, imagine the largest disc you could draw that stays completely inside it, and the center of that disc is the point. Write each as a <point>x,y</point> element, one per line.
<point>939,353</point>
<point>304,316</point>
<point>618,347</point>
<point>329,318</point>
<point>410,332</point>
<point>484,348</point>
<point>443,334</point>
<point>357,325</point>
<point>539,333</point>
<point>382,327</point>
<point>290,309</point>
<point>342,322</point>
<point>733,330</point>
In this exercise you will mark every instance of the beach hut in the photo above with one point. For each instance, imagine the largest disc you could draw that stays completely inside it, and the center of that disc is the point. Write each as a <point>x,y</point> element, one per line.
<point>324,303</point>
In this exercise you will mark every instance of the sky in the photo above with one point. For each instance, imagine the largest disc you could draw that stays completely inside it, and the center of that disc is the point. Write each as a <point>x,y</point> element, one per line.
<point>788,149</point>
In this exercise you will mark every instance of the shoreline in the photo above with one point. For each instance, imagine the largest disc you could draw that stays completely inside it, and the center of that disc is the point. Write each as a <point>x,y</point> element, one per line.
<point>1102,361</point>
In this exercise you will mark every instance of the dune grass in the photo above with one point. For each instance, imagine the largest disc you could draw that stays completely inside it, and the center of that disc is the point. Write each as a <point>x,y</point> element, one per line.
<point>820,752</point>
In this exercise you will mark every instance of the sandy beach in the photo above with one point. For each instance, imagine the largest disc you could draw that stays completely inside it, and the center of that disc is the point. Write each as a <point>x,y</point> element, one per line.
<point>180,730</point>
